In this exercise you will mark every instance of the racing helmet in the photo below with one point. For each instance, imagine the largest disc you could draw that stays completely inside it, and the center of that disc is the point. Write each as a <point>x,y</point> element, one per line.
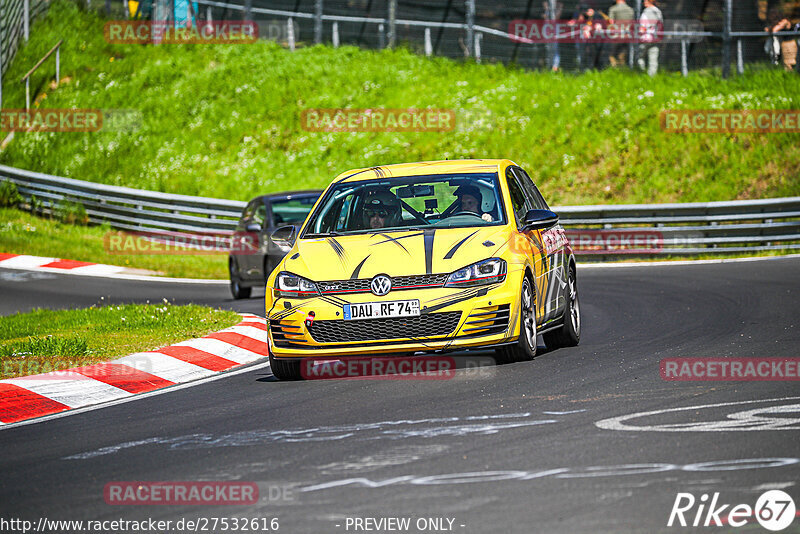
<point>382,201</point>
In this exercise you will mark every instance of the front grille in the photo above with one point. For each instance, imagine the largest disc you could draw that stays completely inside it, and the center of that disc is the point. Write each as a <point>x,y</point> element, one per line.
<point>361,285</point>
<point>428,325</point>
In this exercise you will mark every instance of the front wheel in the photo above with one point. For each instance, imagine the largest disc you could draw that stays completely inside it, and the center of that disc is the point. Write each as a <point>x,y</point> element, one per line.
<point>525,347</point>
<point>237,290</point>
<point>285,369</point>
<point>569,335</point>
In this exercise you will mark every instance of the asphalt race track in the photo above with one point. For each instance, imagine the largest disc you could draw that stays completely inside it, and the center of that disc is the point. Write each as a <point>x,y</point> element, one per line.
<point>511,448</point>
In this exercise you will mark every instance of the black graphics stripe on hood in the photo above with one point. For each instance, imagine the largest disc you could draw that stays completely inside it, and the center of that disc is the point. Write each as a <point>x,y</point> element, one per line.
<point>338,248</point>
<point>357,270</point>
<point>428,238</point>
<point>395,240</point>
<point>458,245</point>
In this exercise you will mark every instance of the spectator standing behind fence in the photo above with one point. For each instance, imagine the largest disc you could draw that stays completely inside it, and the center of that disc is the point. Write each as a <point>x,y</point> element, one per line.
<point>553,47</point>
<point>788,43</point>
<point>620,13</point>
<point>650,24</point>
<point>588,22</point>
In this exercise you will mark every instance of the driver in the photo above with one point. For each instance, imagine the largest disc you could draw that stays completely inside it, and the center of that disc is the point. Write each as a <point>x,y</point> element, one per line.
<point>381,209</point>
<point>470,199</point>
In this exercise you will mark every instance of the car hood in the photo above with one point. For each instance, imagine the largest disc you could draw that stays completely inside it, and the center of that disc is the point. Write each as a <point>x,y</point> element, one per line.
<point>393,253</point>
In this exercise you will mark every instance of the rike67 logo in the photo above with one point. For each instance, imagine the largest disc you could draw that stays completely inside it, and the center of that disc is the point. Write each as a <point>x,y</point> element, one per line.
<point>774,510</point>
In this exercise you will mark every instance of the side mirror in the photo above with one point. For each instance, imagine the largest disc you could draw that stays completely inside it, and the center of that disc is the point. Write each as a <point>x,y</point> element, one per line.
<point>284,236</point>
<point>540,219</point>
<point>253,227</point>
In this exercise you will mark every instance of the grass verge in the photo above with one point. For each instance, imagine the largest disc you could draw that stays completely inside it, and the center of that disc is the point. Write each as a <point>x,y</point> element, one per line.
<point>224,120</point>
<point>45,340</point>
<point>23,233</point>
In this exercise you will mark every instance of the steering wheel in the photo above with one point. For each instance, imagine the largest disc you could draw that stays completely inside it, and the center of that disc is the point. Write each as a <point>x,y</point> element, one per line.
<point>456,213</point>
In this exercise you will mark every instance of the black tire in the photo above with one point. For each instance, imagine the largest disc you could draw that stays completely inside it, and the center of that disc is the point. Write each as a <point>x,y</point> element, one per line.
<point>525,347</point>
<point>285,369</point>
<point>237,290</point>
<point>569,335</point>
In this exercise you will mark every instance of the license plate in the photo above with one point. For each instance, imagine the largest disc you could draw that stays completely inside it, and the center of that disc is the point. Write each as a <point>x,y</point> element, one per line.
<point>380,310</point>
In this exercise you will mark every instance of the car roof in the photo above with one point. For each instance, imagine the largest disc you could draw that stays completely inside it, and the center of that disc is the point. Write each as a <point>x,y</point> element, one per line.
<point>289,194</point>
<point>422,168</point>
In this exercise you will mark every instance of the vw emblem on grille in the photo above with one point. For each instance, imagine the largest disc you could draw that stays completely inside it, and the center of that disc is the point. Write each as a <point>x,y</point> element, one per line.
<point>381,285</point>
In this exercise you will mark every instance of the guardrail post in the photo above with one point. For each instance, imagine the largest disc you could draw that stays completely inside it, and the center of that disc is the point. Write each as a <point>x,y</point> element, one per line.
<point>478,38</point>
<point>470,26</point>
<point>290,33</point>
<point>26,19</point>
<point>428,45</point>
<point>381,36</point>
<point>726,39</point>
<point>392,35</point>
<point>248,6</point>
<point>318,21</point>
<point>27,93</point>
<point>684,58</point>
<point>739,57</point>
<point>58,65</point>
<point>1,57</point>
<point>335,36</point>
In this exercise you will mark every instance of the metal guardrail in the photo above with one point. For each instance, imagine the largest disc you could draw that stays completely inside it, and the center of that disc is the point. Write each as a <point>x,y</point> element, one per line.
<point>665,229</point>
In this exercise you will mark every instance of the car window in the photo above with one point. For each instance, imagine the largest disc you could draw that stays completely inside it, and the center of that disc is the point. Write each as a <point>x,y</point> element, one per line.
<point>248,211</point>
<point>260,214</point>
<point>408,202</point>
<point>518,201</point>
<point>532,192</point>
<point>291,211</point>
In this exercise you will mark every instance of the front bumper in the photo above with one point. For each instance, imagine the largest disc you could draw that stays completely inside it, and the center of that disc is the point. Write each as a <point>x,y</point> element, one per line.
<point>451,319</point>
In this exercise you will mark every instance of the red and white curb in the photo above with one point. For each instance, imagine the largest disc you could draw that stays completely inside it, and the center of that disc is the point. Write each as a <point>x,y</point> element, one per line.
<point>58,391</point>
<point>85,268</point>
<point>23,261</point>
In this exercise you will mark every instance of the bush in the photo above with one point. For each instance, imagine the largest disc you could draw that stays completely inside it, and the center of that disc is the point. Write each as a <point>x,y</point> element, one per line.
<point>9,196</point>
<point>70,212</point>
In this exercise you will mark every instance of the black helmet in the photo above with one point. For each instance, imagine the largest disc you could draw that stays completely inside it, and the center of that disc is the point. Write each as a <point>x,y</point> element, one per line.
<point>382,201</point>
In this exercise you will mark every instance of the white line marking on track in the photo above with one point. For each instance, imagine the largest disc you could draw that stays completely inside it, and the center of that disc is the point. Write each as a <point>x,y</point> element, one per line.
<point>735,423</point>
<point>218,376</point>
<point>612,265</point>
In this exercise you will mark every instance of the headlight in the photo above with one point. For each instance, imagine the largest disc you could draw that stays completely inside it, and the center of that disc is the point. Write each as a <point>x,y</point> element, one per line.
<point>484,272</point>
<point>291,285</point>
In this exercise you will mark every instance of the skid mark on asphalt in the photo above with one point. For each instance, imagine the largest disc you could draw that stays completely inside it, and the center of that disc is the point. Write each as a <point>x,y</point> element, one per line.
<point>382,430</point>
<point>770,417</point>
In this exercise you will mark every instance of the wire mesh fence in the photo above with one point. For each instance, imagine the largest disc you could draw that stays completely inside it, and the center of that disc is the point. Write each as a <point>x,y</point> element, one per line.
<point>697,34</point>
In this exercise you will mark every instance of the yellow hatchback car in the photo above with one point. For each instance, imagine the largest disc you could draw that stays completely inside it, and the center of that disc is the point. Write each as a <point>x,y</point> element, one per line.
<point>423,257</point>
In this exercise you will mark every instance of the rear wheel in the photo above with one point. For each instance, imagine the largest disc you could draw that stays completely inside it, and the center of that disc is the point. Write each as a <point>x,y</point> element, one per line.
<point>525,347</point>
<point>569,335</point>
<point>237,290</point>
<point>285,369</point>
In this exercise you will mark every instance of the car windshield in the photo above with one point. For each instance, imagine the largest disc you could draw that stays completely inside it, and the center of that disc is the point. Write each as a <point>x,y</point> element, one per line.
<point>292,210</point>
<point>440,201</point>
